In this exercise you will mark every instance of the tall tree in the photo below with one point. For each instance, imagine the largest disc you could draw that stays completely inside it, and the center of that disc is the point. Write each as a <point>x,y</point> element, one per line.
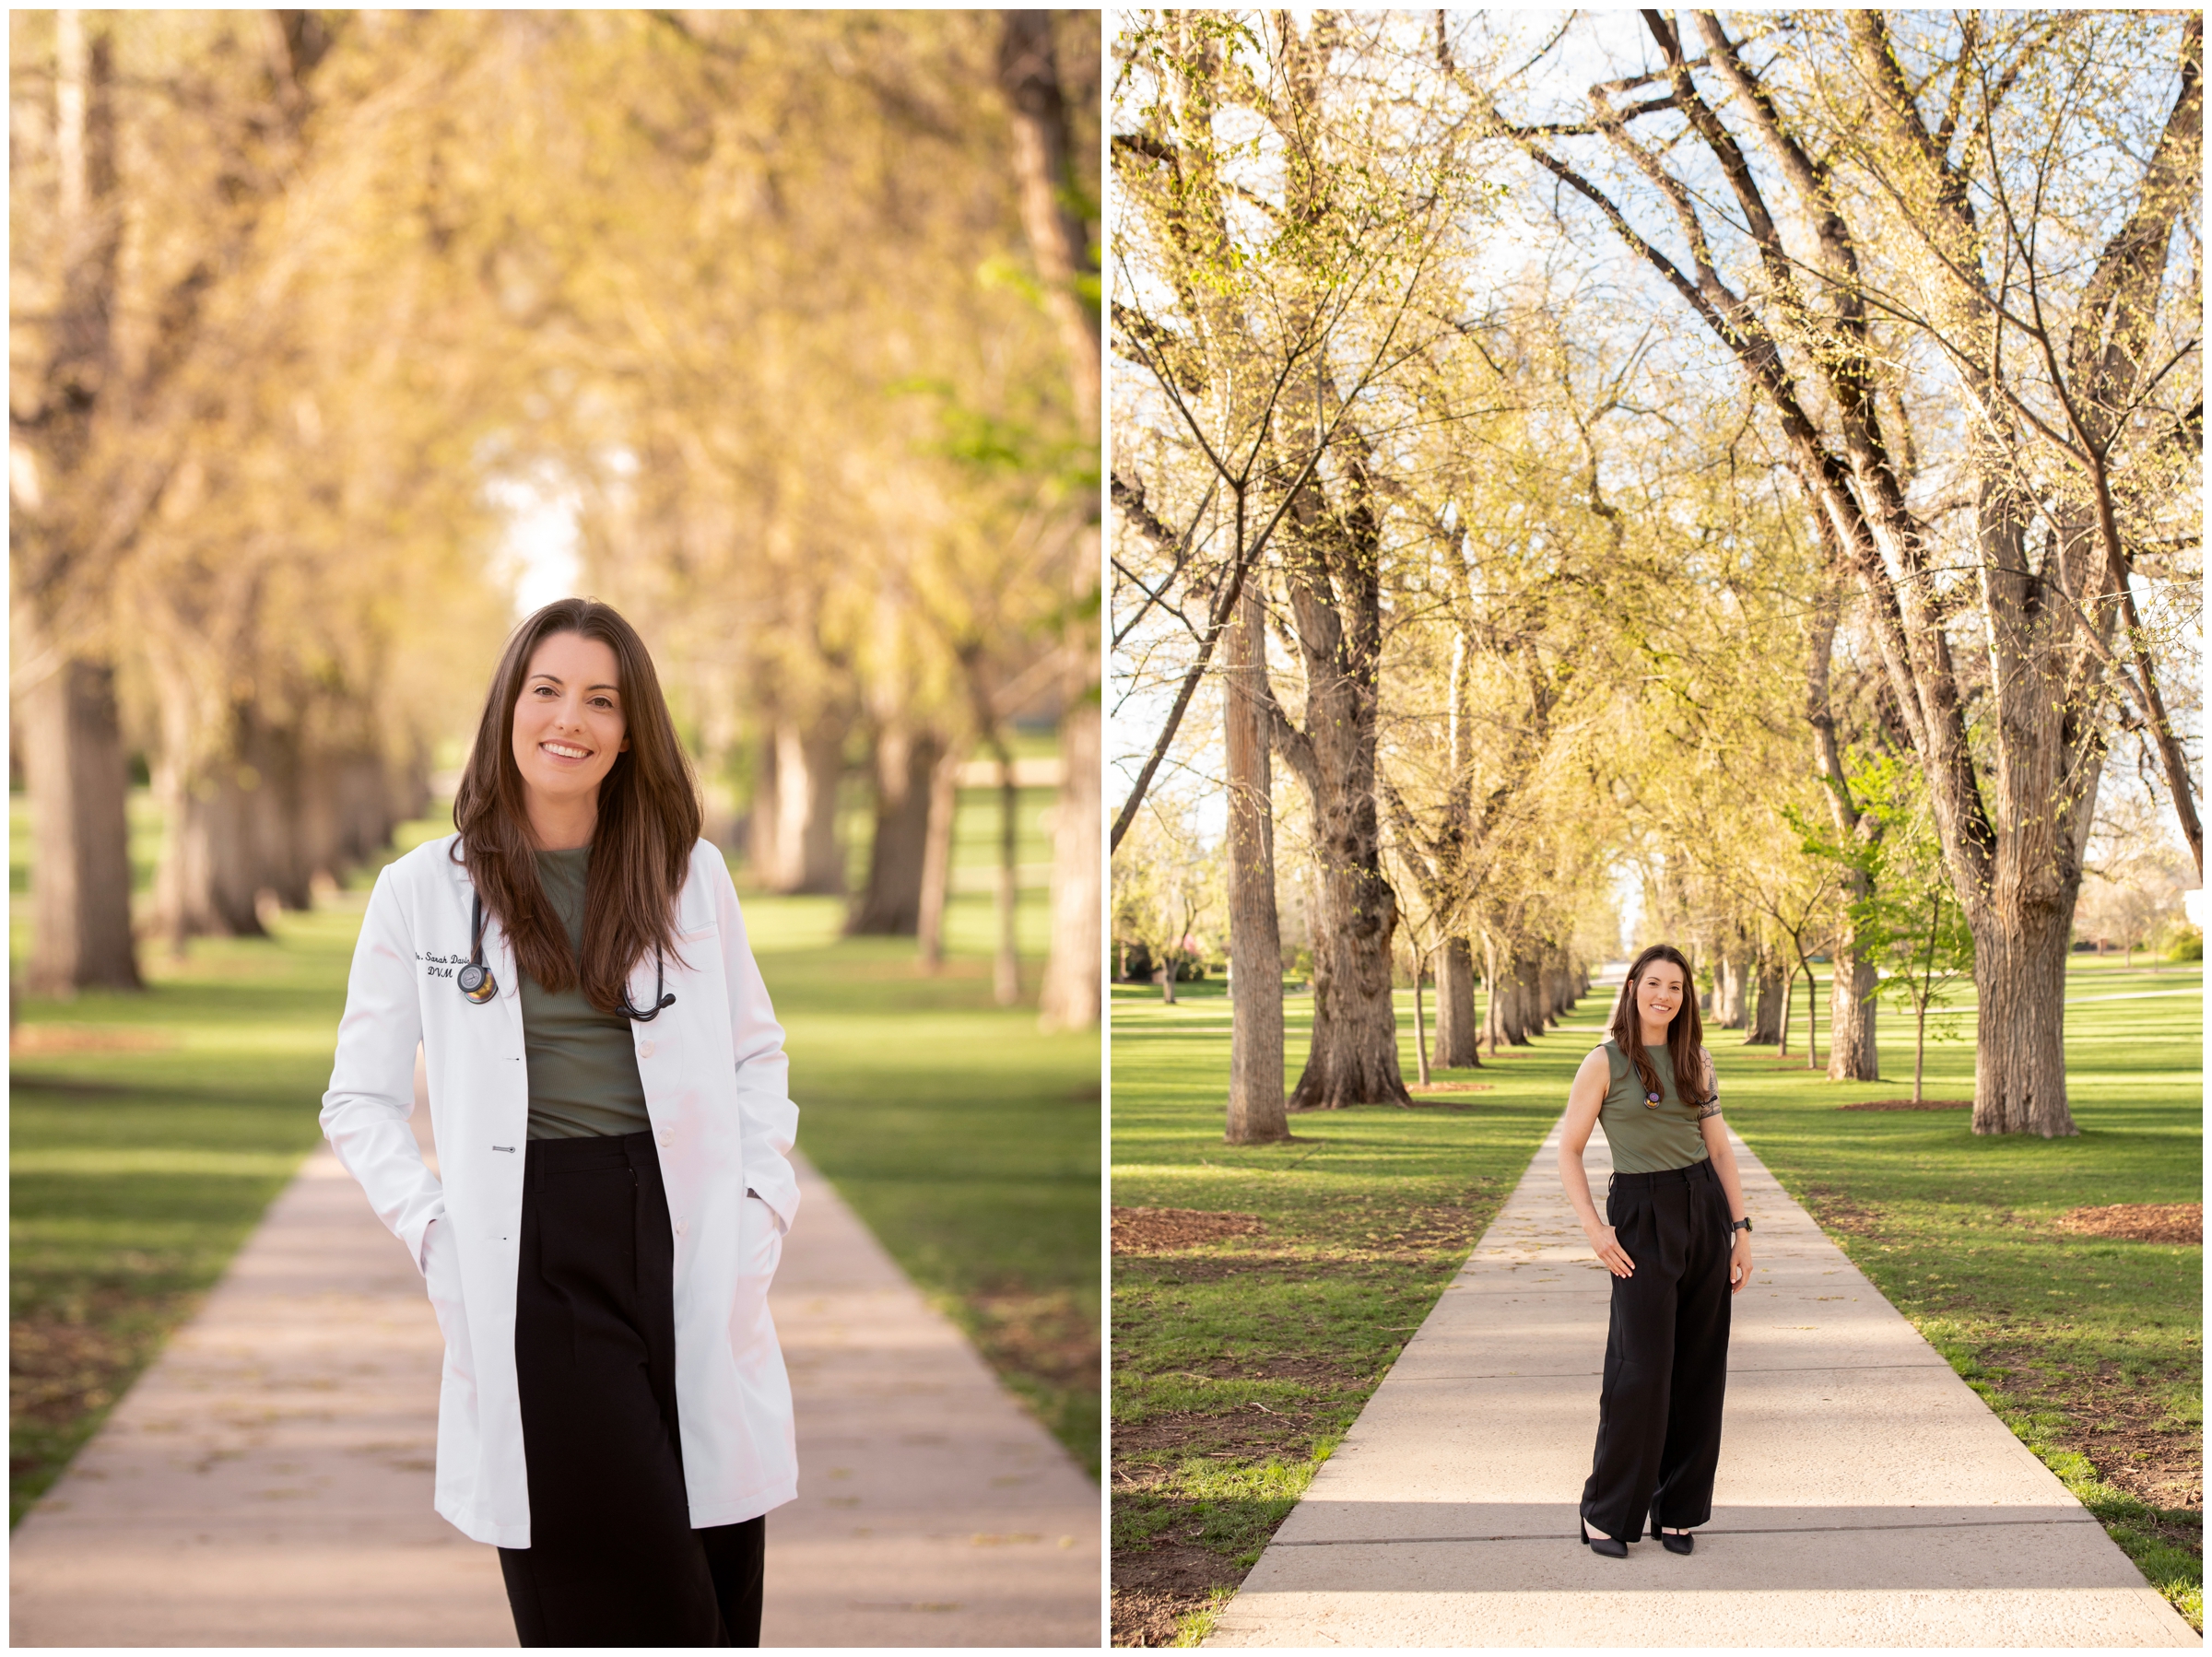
<point>1882,170</point>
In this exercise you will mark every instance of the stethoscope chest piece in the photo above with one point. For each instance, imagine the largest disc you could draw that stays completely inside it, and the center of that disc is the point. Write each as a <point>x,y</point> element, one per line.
<point>475,980</point>
<point>478,985</point>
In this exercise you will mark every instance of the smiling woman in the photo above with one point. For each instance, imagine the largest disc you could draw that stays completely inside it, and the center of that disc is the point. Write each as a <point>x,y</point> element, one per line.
<point>613,1187</point>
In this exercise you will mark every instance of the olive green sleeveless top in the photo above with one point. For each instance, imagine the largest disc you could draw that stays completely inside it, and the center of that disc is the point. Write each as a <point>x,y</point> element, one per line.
<point>583,1063</point>
<point>1649,1139</point>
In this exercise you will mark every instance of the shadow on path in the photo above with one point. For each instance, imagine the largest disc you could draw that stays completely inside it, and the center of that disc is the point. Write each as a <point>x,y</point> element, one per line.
<point>1867,1496</point>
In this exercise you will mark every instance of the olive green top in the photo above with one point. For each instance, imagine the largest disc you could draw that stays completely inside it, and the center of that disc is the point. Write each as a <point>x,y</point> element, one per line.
<point>1648,1139</point>
<point>583,1063</point>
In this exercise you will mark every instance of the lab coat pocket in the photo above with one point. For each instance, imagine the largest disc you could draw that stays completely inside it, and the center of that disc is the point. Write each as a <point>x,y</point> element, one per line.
<point>441,1276</point>
<point>760,1248</point>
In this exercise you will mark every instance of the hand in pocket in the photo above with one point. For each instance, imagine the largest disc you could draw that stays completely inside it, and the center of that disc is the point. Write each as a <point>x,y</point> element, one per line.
<point>759,1246</point>
<point>441,1278</point>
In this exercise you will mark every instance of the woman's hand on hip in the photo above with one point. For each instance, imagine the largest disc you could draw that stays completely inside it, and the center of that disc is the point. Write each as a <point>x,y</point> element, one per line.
<point>1739,1263</point>
<point>1610,1252</point>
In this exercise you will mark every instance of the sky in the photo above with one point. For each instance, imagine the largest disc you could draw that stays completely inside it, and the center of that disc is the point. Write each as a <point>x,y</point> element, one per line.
<point>539,548</point>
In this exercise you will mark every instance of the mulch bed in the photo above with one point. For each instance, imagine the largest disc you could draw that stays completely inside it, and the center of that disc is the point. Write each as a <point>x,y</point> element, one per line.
<point>1167,1230</point>
<point>1906,1104</point>
<point>1420,1092</point>
<point>2139,1222</point>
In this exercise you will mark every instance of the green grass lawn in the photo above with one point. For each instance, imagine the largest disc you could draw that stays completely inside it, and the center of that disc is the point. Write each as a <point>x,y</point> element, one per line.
<point>1237,1364</point>
<point>150,1132</point>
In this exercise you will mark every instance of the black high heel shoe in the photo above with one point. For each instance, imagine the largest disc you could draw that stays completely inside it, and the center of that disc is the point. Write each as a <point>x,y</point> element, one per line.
<point>1611,1546</point>
<point>1680,1542</point>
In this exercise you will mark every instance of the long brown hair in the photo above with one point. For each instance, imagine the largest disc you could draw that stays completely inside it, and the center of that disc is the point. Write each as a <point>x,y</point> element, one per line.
<point>649,820</point>
<point>1685,1031</point>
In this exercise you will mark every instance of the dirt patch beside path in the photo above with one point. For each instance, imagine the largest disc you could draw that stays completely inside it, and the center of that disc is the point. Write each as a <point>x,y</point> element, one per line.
<point>1167,1230</point>
<point>2139,1222</point>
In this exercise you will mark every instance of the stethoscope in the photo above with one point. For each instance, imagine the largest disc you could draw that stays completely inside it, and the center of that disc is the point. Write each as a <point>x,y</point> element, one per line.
<point>478,984</point>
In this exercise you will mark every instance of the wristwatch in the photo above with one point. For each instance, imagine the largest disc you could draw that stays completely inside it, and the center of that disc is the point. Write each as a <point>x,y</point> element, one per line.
<point>1742,1225</point>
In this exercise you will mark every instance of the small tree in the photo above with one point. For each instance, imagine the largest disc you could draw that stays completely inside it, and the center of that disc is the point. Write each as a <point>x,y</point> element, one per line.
<point>1166,886</point>
<point>1910,917</point>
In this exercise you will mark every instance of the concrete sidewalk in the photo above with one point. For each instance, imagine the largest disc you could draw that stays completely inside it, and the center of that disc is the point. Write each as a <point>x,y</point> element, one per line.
<point>267,1481</point>
<point>1866,1497</point>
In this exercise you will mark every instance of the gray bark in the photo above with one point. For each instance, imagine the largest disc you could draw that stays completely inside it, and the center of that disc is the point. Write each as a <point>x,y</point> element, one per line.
<point>1771,992</point>
<point>936,860</point>
<point>1457,1045</point>
<point>890,904</point>
<point>1256,1065</point>
<point>77,777</point>
<point>793,837</point>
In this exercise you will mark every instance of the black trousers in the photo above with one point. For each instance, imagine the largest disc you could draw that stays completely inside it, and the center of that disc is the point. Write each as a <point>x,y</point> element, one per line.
<point>613,1558</point>
<point>1667,1354</point>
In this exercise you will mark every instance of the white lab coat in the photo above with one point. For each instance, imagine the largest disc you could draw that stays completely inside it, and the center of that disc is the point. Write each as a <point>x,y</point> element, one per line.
<point>715,1087</point>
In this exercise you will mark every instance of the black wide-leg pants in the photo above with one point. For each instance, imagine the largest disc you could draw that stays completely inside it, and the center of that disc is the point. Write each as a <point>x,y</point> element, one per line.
<point>613,1558</point>
<point>1667,1354</point>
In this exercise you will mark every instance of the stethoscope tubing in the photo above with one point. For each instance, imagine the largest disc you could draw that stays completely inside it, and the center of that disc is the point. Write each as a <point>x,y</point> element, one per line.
<point>478,986</point>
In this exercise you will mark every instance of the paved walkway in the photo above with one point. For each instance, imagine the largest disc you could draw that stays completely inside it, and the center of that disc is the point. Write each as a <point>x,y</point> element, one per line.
<point>267,1481</point>
<point>1866,1497</point>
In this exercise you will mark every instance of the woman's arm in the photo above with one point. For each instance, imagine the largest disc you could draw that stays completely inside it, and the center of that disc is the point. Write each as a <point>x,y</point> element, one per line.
<point>373,1078</point>
<point>1584,1099</point>
<point>768,1123</point>
<point>1715,1133</point>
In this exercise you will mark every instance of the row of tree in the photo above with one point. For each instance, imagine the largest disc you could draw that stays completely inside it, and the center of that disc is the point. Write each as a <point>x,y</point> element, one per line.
<point>1771,464</point>
<point>793,314</point>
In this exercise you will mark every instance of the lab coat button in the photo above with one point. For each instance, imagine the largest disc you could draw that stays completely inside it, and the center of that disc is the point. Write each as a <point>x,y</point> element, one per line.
<point>667,1136</point>
<point>680,1227</point>
<point>644,1050</point>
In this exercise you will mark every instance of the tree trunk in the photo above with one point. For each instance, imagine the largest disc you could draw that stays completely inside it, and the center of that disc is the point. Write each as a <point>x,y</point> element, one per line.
<point>278,811</point>
<point>1354,1056</point>
<point>764,819</point>
<point>1420,1036</point>
<point>1789,1000</point>
<point>1920,1046</point>
<point>2020,1035</point>
<point>1731,972</point>
<point>794,812</point>
<point>1332,552</point>
<point>1508,1021</point>
<point>1528,995</point>
<point>320,835</point>
<point>890,905</point>
<point>1457,1043</point>
<point>1069,999</point>
<point>1029,77</point>
<point>80,874</point>
<point>1851,1050</point>
<point>1255,1051</point>
<point>1772,998</point>
<point>936,859</point>
<point>1164,976</point>
<point>1006,965</point>
<point>1493,1029</point>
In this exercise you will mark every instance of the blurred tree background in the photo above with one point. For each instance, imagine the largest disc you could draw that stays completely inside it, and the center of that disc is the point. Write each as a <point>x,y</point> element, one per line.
<point>337,338</point>
<point>792,317</point>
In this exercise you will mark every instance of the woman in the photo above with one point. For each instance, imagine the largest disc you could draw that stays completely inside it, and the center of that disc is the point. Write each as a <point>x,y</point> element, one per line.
<point>606,1086</point>
<point>1678,1241</point>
